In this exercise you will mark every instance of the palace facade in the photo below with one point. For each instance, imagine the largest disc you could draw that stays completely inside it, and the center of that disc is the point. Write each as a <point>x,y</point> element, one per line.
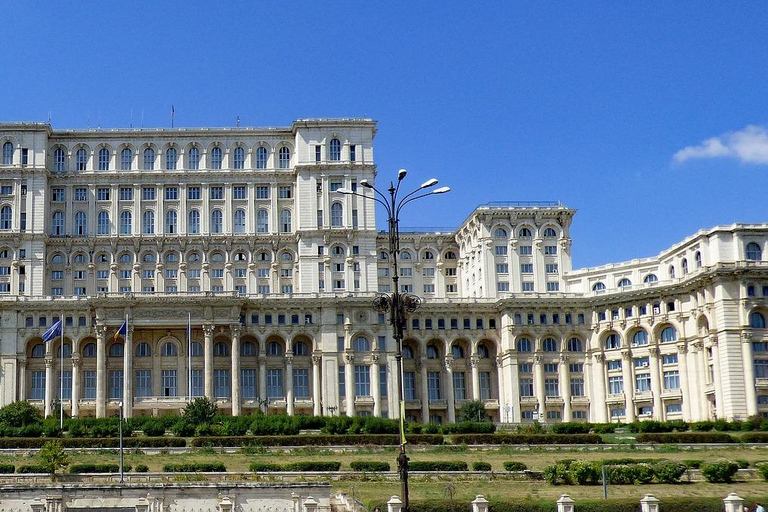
<point>247,277</point>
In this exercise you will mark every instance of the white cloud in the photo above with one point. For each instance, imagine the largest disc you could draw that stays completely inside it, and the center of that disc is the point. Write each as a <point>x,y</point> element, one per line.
<point>749,145</point>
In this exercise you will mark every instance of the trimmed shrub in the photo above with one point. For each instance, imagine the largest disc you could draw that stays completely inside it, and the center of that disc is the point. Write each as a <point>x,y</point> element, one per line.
<point>470,427</point>
<point>7,468</point>
<point>669,472</point>
<point>154,428</point>
<point>182,429</point>
<point>526,439</point>
<point>692,463</point>
<point>481,466</point>
<point>686,438</point>
<point>31,469</point>
<point>257,467</point>
<point>369,465</point>
<point>319,440</point>
<point>603,428</point>
<point>437,465</point>
<point>570,428</point>
<point>314,465</point>
<point>719,472</point>
<point>755,437</point>
<point>20,414</point>
<point>142,468</point>
<point>94,468</point>
<point>702,426</point>
<point>512,465</point>
<point>586,473</point>
<point>190,467</point>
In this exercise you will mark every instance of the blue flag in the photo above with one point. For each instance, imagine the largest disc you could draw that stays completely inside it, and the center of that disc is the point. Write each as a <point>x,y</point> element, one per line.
<point>122,330</point>
<point>53,331</point>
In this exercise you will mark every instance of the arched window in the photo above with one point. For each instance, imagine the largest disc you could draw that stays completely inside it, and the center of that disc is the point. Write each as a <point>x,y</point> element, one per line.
<point>263,256</point>
<point>428,255</point>
<point>650,278</point>
<point>432,352</point>
<point>625,283</point>
<point>450,255</point>
<point>239,221</point>
<point>668,334</point>
<point>6,217</point>
<point>67,350</point>
<point>575,345</point>
<point>116,350</point>
<point>483,352</point>
<point>754,253</point>
<point>550,233</point>
<point>193,257</point>
<point>193,226</point>
<point>262,221</point>
<point>217,223</point>
<point>698,259</point>
<point>338,250</point>
<point>79,258</point>
<point>81,159</point>
<point>149,159</point>
<point>170,222</point>
<point>274,348</point>
<point>57,259</point>
<point>197,349</point>
<point>171,257</point>
<point>500,233</point>
<point>148,222</point>
<point>300,349</point>
<point>457,351</point>
<point>8,153</point>
<point>239,158</point>
<point>126,157</point>
<point>549,345</point>
<point>757,320</point>
<point>612,341</point>
<point>524,345</point>
<point>103,159</point>
<point>335,150</point>
<point>337,215</point>
<point>524,233</point>
<point>247,349</point>
<point>169,349</point>
<point>171,156</point>
<point>216,158</point>
<point>103,223</point>
<point>407,352</point>
<point>598,287</point>
<point>362,344</point>
<point>640,338</point>
<point>126,258</point>
<point>125,222</point>
<point>57,227</point>
<point>143,350</point>
<point>284,158</point>
<point>59,160</point>
<point>193,157</point>
<point>671,271</point>
<point>221,349</point>
<point>261,157</point>
<point>285,221</point>
<point>684,264</point>
<point>405,255</point>
<point>38,350</point>
<point>89,350</point>
<point>286,256</point>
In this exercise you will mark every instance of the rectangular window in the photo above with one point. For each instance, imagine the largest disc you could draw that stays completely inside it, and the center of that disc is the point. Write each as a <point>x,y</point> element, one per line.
<point>502,268</point>
<point>526,268</point>
<point>614,365</point>
<point>216,192</point>
<point>527,286</point>
<point>37,392</point>
<point>551,387</point>
<point>89,385</point>
<point>615,385</point>
<point>643,382</point>
<point>301,383</point>
<point>221,383</point>
<point>485,385</point>
<point>409,385</point>
<point>761,369</point>
<point>143,383</point>
<point>577,386</point>
<point>335,185</point>
<point>57,194</point>
<point>170,383</point>
<point>115,384</point>
<point>459,386</point>
<point>102,194</point>
<point>171,193</point>
<point>500,250</point>
<point>526,387</point>
<point>550,250</point>
<point>641,362</point>
<point>198,383</point>
<point>239,192</point>
<point>352,153</point>
<point>81,194</point>
<point>433,385</point>
<point>526,250</point>
<point>382,376</point>
<point>126,194</point>
<point>194,193</point>
<point>275,383</point>
<point>429,288</point>
<point>342,381</point>
<point>553,287</point>
<point>284,192</point>
<point>362,380</point>
<point>262,192</point>
<point>148,193</point>
<point>551,268</point>
<point>673,408</point>
<point>669,359</point>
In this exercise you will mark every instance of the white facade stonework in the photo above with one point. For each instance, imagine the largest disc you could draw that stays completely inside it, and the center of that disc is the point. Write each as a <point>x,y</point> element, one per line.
<point>242,231</point>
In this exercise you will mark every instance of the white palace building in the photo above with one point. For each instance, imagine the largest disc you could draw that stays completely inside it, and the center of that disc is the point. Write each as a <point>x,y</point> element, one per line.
<point>243,234</point>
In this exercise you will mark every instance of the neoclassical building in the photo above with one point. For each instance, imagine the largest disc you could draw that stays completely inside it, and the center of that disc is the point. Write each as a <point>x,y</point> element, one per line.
<point>247,277</point>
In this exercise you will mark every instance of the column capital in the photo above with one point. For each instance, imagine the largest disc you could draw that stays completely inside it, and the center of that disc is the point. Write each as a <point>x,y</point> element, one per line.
<point>537,359</point>
<point>316,358</point>
<point>698,345</point>
<point>474,361</point>
<point>288,358</point>
<point>48,362</point>
<point>654,352</point>
<point>76,361</point>
<point>682,348</point>
<point>375,358</point>
<point>235,329</point>
<point>101,330</point>
<point>349,357</point>
<point>208,329</point>
<point>448,363</point>
<point>626,354</point>
<point>746,337</point>
<point>600,357</point>
<point>564,358</point>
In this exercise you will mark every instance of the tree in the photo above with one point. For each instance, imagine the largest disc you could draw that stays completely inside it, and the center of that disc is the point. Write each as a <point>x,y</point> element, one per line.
<point>20,414</point>
<point>53,457</point>
<point>473,410</point>
<point>199,411</point>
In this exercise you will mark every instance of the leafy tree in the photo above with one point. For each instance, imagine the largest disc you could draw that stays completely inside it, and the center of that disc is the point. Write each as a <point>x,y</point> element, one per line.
<point>473,410</point>
<point>53,457</point>
<point>199,411</point>
<point>20,414</point>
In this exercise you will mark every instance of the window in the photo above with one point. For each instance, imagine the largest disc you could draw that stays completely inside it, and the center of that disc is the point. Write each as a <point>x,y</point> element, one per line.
<point>598,287</point>
<point>524,345</point>
<point>761,368</point>
<point>551,387</point>
<point>337,217</point>
<point>526,387</point>
<point>614,365</point>
<point>170,382</point>
<point>171,222</point>
<point>149,159</point>
<point>57,226</point>
<point>284,192</point>
<point>301,383</point>
<point>216,221</point>
<point>640,338</point>
<point>103,223</point>
<point>485,385</point>
<point>549,345</point>
<point>275,383</point>
<point>362,344</point>
<point>171,193</point>
<point>669,359</point>
<point>500,250</point>
<point>612,341</point>
<point>362,380</point>
<point>526,268</point>
<point>757,320</point>
<point>148,222</point>
<point>754,253</point>
<point>624,283</point>
<point>684,264</point>
<point>102,194</point>
<point>115,384</point>
<point>285,221</point>
<point>239,158</point>
<point>261,158</point>
<point>526,250</point>
<point>143,383</point>
<point>551,268</point>
<point>615,385</point>
<point>221,382</point>
<point>193,226</point>
<point>239,221</point>
<point>335,150</point>
<point>262,221</point>
<point>221,349</point>
<point>59,160</point>
<point>81,159</point>
<point>524,233</point>
<point>642,382</point>
<point>575,345</point>
<point>216,158</point>
<point>669,334</point>
<point>171,156</point>
<point>433,385</point>
<point>103,159</point>
<point>672,380</point>
<point>169,350</point>
<point>550,250</point>
<point>284,158</point>
<point>577,386</point>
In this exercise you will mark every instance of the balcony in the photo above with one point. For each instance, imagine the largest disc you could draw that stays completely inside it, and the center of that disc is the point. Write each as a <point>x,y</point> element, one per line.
<point>579,400</point>
<point>615,398</point>
<point>643,396</point>
<point>761,383</point>
<point>532,400</point>
<point>554,400</point>
<point>413,403</point>
<point>491,403</point>
<point>364,400</point>
<point>438,403</point>
<point>671,393</point>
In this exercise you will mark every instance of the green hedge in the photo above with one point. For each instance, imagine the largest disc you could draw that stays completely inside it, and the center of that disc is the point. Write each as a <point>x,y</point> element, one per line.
<point>258,467</point>
<point>526,439</point>
<point>307,465</point>
<point>369,465</point>
<point>719,472</point>
<point>96,468</point>
<point>481,466</point>
<point>89,442</point>
<point>319,440</point>
<point>755,437</point>
<point>438,465</point>
<point>7,468</point>
<point>469,427</point>
<point>31,469</point>
<point>512,465</point>
<point>191,467</point>
<point>686,438</point>
<point>590,472</point>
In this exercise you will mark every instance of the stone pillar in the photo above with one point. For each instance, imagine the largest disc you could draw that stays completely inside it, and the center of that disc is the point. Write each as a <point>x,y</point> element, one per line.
<point>289,384</point>
<point>317,405</point>
<point>235,330</point>
<point>75,409</point>
<point>514,384</point>
<point>749,373</point>
<point>475,361</point>
<point>394,504</point>
<point>629,385</point>
<point>375,385</point>
<point>22,376</point>
<point>565,386</point>
<point>424,394</point>
<point>208,356</point>
<point>538,385</point>
<point>128,373</point>
<point>48,385</point>
<point>101,371</point>
<point>480,504</point>
<point>598,375</point>
<point>649,503</point>
<point>262,376</point>
<point>449,394</point>
<point>658,413</point>
<point>718,372</point>
<point>565,504</point>
<point>349,382</point>
<point>685,379</point>
<point>733,503</point>
<point>310,504</point>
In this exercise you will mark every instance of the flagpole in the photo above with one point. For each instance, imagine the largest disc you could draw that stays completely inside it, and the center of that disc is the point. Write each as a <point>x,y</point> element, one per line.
<point>189,356</point>
<point>61,379</point>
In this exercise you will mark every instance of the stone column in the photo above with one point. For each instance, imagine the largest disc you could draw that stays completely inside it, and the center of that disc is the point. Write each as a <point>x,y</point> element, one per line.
<point>658,413</point>
<point>697,382</point>
<point>500,377</point>
<point>349,382</point>
<point>48,385</point>
<point>262,376</point>
<point>475,361</point>
<point>208,356</point>
<point>235,330</point>
<point>538,385</point>
<point>719,400</point>
<point>75,385</point>
<point>101,371</point>
<point>424,394</point>
<point>749,373</point>
<point>685,380</point>
<point>449,389</point>
<point>565,386</point>
<point>128,373</point>
<point>375,385</point>
<point>598,375</point>
<point>289,383</point>
<point>629,385</point>
<point>317,405</point>
<point>514,385</point>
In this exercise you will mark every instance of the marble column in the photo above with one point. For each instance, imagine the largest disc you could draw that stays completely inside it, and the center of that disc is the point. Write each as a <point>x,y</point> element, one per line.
<point>263,377</point>
<point>685,380</point>
<point>719,400</point>
<point>76,363</point>
<point>235,330</point>
<point>449,389</point>
<point>629,385</point>
<point>349,382</point>
<point>49,394</point>
<point>375,385</point>
<point>658,413</point>
<point>208,356</point>
<point>750,392</point>
<point>424,394</point>
<point>289,405</point>
<point>127,373</point>
<point>101,371</point>
<point>565,386</point>
<point>475,362</point>
<point>538,385</point>
<point>317,405</point>
<point>513,374</point>
<point>598,376</point>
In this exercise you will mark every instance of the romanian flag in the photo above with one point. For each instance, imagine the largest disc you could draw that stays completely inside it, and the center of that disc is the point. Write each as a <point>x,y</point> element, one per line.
<point>122,331</point>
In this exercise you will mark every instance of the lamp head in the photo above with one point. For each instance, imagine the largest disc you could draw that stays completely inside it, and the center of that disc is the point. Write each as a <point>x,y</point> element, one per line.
<point>441,190</point>
<point>364,183</point>
<point>401,174</point>
<point>344,191</point>
<point>429,183</point>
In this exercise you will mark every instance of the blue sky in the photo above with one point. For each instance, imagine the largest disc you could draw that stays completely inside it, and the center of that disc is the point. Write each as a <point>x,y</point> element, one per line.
<point>647,118</point>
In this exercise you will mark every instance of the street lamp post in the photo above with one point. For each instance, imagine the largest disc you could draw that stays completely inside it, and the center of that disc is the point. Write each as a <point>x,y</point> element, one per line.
<point>398,304</point>
<point>122,460</point>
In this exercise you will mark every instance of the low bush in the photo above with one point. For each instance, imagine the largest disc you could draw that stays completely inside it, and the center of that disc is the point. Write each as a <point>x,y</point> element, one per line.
<point>512,465</point>
<point>669,472</point>
<point>469,427</point>
<point>314,465</point>
<point>31,469</point>
<point>481,466</point>
<point>590,473</point>
<point>67,442</point>
<point>571,428</point>
<point>369,465</point>
<point>182,429</point>
<point>95,468</point>
<point>319,440</point>
<point>190,467</point>
<point>142,468</point>
<point>763,469</point>
<point>603,428</point>
<point>692,463</point>
<point>257,467</point>
<point>7,468</point>
<point>755,437</point>
<point>526,439</point>
<point>154,428</point>
<point>438,465</point>
<point>686,438</point>
<point>719,472</point>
